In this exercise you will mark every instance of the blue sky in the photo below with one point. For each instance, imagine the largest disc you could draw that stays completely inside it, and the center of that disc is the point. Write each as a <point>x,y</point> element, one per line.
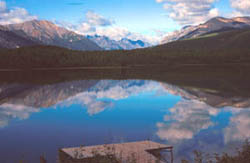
<point>145,17</point>
<point>137,15</point>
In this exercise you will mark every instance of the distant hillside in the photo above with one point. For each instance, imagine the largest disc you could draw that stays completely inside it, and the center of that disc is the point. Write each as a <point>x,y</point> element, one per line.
<point>215,25</point>
<point>11,39</point>
<point>231,47</point>
<point>50,34</point>
<point>124,44</point>
<point>237,41</point>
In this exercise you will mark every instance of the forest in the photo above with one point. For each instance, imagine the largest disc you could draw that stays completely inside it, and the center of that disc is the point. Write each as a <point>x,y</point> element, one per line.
<point>226,48</point>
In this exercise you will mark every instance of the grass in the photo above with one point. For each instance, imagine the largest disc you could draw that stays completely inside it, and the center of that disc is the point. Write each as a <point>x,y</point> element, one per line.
<point>242,155</point>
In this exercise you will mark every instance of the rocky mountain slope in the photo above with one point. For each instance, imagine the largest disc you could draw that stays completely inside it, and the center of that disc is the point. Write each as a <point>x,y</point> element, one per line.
<point>51,34</point>
<point>12,39</point>
<point>215,25</point>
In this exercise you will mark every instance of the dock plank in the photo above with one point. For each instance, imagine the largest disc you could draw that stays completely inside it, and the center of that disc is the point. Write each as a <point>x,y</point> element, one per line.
<point>139,151</point>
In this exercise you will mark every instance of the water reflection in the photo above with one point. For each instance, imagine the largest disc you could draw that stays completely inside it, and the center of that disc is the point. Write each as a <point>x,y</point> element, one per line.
<point>102,95</point>
<point>239,126</point>
<point>10,111</point>
<point>126,110</point>
<point>42,95</point>
<point>193,125</point>
<point>186,119</point>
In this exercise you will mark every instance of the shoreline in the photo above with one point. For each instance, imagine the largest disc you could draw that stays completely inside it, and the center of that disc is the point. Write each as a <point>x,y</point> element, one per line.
<point>121,67</point>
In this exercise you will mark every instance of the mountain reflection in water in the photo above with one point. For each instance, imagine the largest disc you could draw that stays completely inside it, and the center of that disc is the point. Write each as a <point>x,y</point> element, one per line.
<point>38,118</point>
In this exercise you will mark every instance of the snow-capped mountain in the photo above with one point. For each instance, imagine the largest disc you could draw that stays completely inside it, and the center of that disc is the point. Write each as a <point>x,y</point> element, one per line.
<point>130,44</point>
<point>105,42</point>
<point>123,44</point>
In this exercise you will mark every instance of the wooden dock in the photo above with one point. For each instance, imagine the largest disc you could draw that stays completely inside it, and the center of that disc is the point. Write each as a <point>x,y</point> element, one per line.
<point>138,152</point>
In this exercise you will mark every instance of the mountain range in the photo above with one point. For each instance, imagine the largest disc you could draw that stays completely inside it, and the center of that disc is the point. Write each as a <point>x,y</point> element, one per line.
<point>211,27</point>
<point>42,32</point>
<point>109,44</point>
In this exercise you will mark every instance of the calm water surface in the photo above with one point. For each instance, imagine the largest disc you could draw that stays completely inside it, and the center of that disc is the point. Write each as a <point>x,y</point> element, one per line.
<point>39,119</point>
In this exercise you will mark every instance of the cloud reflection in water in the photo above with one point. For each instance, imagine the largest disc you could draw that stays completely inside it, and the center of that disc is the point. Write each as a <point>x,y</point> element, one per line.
<point>10,111</point>
<point>193,125</point>
<point>102,95</point>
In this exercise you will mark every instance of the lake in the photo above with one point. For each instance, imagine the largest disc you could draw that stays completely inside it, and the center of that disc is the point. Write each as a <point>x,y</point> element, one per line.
<point>42,112</point>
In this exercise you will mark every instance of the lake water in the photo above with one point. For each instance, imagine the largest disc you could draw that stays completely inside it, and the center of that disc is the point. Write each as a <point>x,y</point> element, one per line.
<point>39,119</point>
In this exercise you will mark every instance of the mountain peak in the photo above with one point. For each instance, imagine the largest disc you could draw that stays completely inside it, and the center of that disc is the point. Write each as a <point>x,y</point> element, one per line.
<point>217,24</point>
<point>40,28</point>
<point>242,19</point>
<point>217,21</point>
<point>34,22</point>
<point>219,18</point>
<point>229,20</point>
<point>44,23</point>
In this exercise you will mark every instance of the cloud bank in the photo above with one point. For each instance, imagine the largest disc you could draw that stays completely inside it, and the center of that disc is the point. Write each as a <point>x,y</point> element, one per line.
<point>96,24</point>
<point>14,15</point>
<point>242,7</point>
<point>187,12</point>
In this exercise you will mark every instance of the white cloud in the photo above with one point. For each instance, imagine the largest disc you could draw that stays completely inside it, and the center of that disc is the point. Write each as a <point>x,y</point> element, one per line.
<point>242,7</point>
<point>187,12</point>
<point>14,15</point>
<point>95,19</point>
<point>92,22</point>
<point>96,24</point>
<point>117,33</point>
<point>84,28</point>
<point>113,32</point>
<point>234,14</point>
